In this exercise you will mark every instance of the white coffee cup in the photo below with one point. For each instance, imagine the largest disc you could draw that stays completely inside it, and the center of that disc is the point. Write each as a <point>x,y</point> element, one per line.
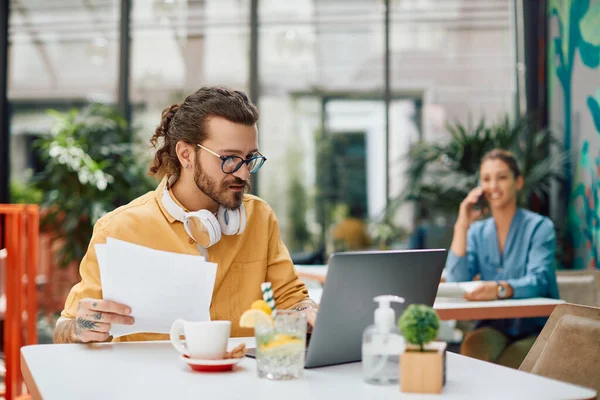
<point>206,340</point>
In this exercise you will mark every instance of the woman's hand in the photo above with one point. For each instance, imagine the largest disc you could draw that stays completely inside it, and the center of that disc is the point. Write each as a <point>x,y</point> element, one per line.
<point>467,214</point>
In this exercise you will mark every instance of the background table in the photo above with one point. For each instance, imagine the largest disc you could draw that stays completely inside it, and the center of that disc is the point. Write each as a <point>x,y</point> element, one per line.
<point>152,370</point>
<point>451,308</point>
<point>460,309</point>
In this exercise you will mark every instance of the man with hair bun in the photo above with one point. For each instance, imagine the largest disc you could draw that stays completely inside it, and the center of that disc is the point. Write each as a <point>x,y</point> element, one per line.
<point>207,148</point>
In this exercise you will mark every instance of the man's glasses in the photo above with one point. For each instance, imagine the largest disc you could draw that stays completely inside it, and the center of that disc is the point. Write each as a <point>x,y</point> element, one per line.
<point>233,163</point>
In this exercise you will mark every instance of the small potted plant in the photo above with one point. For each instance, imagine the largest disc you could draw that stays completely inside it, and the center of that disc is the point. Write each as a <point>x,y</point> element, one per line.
<point>423,364</point>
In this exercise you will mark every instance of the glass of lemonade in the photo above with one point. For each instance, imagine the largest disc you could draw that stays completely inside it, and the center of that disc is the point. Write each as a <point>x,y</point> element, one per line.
<point>280,347</point>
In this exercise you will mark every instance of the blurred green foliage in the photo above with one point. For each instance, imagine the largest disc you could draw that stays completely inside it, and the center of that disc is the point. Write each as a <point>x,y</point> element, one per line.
<point>92,165</point>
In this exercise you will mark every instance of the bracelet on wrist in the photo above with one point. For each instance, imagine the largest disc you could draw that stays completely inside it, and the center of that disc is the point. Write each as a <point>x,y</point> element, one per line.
<point>302,308</point>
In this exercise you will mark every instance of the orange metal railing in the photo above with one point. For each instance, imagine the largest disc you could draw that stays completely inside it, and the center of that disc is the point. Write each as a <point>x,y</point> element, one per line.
<point>19,229</point>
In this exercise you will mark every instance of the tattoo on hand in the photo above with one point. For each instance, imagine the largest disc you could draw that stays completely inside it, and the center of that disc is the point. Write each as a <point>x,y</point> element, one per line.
<point>94,304</point>
<point>86,324</point>
<point>98,316</point>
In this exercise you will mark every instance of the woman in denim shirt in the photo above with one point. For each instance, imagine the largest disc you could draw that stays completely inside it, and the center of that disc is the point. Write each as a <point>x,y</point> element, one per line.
<point>513,252</point>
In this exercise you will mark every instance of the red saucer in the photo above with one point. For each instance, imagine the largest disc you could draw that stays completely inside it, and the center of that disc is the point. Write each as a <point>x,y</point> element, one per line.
<point>210,365</point>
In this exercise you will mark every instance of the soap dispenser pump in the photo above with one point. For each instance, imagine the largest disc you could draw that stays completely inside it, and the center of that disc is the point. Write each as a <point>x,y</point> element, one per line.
<point>382,344</point>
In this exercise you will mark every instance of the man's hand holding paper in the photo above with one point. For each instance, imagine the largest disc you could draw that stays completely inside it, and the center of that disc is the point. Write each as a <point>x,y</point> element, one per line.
<point>95,317</point>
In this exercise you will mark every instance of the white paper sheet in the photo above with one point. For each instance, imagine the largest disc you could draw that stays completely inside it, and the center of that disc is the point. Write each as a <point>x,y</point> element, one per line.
<point>158,286</point>
<point>456,289</point>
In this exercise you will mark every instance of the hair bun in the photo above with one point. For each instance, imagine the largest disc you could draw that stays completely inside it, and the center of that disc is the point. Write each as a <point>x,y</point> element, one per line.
<point>167,115</point>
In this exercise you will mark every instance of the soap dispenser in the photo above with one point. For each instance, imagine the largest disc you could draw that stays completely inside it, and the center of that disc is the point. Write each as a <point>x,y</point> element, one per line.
<point>382,344</point>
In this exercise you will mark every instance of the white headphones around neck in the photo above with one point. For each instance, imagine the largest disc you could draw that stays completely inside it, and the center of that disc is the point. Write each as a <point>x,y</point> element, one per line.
<point>202,225</point>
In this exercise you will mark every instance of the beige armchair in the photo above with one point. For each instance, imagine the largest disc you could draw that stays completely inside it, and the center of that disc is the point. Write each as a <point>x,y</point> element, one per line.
<point>568,348</point>
<point>579,287</point>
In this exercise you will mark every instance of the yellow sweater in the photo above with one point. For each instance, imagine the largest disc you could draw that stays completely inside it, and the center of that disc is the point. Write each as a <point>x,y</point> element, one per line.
<point>244,261</point>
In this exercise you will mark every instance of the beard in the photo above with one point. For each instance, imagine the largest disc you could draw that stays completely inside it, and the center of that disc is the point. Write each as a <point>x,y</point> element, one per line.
<point>221,192</point>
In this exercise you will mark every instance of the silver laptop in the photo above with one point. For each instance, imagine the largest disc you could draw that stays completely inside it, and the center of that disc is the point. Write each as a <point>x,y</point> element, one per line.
<point>347,306</point>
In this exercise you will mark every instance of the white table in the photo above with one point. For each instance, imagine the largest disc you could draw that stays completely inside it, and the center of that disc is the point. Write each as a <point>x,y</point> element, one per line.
<point>152,370</point>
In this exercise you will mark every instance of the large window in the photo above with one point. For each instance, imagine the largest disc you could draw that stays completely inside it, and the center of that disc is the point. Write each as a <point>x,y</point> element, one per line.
<point>319,122</point>
<point>458,57</point>
<point>320,80</point>
<point>180,46</point>
<point>62,54</point>
<point>63,49</point>
<point>459,54</point>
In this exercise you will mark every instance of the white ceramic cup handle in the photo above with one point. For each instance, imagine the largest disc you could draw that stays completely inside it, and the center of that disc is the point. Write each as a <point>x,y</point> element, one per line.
<point>176,331</point>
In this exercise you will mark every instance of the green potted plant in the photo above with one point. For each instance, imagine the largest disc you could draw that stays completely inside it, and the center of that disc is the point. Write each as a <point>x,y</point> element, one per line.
<point>423,364</point>
<point>450,170</point>
<point>91,165</point>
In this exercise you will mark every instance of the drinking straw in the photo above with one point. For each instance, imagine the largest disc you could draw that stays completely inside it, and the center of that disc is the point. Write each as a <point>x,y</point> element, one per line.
<point>267,292</point>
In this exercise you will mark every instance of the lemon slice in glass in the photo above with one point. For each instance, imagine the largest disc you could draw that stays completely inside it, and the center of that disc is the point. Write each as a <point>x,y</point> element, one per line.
<point>250,318</point>
<point>281,340</point>
<point>261,305</point>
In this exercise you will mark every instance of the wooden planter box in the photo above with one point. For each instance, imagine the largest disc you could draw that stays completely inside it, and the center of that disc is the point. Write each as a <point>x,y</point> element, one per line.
<point>423,372</point>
